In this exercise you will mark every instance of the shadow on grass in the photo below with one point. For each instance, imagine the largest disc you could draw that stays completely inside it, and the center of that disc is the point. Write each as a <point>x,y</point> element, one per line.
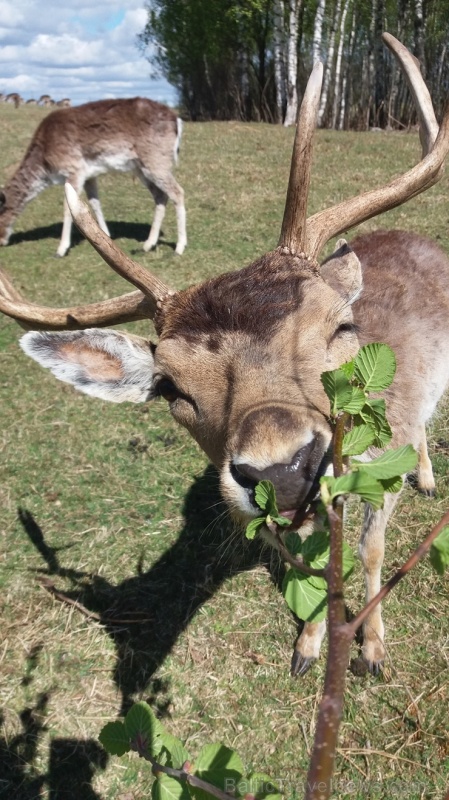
<point>71,767</point>
<point>136,231</point>
<point>146,613</point>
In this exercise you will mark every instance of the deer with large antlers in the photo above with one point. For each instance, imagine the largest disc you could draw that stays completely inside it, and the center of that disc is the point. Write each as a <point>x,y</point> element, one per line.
<point>78,144</point>
<point>239,357</point>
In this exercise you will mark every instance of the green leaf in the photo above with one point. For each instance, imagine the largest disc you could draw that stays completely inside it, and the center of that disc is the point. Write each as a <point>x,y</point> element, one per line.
<point>316,553</point>
<point>390,464</point>
<point>218,765</point>
<point>348,369</point>
<point>337,388</point>
<point>374,367</point>
<point>357,440</point>
<point>168,788</point>
<point>315,549</point>
<point>439,551</point>
<point>265,496</point>
<point>142,724</point>
<point>392,485</point>
<point>355,402</point>
<point>282,521</point>
<point>304,599</point>
<point>373,413</point>
<point>173,751</point>
<point>293,543</point>
<point>348,561</point>
<point>360,483</point>
<point>254,527</point>
<point>115,738</point>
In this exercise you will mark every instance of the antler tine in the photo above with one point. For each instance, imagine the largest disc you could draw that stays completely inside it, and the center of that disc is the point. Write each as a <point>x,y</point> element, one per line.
<point>127,308</point>
<point>428,125</point>
<point>133,272</point>
<point>294,222</point>
<point>333,221</point>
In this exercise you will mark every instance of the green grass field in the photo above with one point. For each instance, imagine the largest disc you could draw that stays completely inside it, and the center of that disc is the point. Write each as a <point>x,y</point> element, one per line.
<point>119,510</point>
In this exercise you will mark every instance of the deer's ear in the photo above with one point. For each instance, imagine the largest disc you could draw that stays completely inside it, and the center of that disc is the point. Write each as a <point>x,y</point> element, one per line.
<point>99,362</point>
<point>343,272</point>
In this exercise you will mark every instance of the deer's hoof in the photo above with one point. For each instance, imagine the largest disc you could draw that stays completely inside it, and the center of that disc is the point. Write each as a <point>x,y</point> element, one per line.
<point>300,664</point>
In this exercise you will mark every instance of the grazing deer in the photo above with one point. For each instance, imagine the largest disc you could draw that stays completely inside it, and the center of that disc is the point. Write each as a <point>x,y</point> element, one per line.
<point>78,144</point>
<point>239,357</point>
<point>15,99</point>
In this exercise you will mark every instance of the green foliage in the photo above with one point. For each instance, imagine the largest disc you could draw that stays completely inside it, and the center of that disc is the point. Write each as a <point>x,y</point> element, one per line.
<point>177,778</point>
<point>306,595</point>
<point>439,552</point>
<point>209,50</point>
<point>265,497</point>
<point>372,370</point>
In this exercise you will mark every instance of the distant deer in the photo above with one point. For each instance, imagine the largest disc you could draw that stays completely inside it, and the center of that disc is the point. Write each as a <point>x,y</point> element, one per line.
<point>15,99</point>
<point>78,144</point>
<point>65,103</point>
<point>45,100</point>
<point>239,357</point>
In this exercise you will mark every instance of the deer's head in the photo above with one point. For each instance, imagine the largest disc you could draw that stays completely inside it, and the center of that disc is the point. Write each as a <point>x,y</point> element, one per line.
<point>239,357</point>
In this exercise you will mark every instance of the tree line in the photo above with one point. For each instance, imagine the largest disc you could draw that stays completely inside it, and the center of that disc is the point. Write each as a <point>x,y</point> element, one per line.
<point>250,59</point>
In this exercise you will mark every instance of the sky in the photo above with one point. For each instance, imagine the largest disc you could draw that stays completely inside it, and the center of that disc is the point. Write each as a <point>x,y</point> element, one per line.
<point>80,49</point>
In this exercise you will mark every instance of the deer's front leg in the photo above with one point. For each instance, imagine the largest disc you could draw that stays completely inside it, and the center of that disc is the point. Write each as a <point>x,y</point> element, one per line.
<point>371,550</point>
<point>307,648</point>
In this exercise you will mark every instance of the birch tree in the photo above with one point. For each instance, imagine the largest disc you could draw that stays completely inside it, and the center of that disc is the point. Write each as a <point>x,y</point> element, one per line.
<point>329,63</point>
<point>337,77</point>
<point>279,57</point>
<point>344,87</point>
<point>318,31</point>
<point>292,62</point>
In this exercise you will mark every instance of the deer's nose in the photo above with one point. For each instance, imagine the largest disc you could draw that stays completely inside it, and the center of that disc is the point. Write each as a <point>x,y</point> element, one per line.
<point>293,482</point>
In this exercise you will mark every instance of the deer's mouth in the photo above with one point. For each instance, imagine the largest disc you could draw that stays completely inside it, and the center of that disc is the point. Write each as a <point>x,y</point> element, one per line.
<point>296,484</point>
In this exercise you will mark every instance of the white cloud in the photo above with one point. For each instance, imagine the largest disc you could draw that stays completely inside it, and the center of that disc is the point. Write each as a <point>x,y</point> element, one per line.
<point>76,49</point>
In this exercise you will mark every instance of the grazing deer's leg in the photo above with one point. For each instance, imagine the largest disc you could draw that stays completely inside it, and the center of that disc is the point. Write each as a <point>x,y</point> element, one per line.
<point>426,481</point>
<point>64,244</point>
<point>371,550</point>
<point>160,199</point>
<point>162,189</point>
<point>91,188</point>
<point>307,648</point>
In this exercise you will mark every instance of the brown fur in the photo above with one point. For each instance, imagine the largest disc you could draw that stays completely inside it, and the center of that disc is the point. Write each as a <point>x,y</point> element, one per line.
<point>76,144</point>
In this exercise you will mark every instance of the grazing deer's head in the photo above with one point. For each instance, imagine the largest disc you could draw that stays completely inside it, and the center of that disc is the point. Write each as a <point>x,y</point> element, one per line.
<point>239,357</point>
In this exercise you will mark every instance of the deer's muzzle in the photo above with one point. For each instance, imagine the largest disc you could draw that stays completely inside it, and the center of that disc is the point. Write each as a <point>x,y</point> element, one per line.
<point>296,483</point>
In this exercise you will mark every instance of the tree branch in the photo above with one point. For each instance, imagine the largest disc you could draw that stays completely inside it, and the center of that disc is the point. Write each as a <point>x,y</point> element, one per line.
<point>418,554</point>
<point>181,774</point>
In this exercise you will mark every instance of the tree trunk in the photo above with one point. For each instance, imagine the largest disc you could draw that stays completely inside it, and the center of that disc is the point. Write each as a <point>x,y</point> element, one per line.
<point>337,80</point>
<point>329,64</point>
<point>318,31</point>
<point>345,89</point>
<point>419,35</point>
<point>279,61</point>
<point>292,63</point>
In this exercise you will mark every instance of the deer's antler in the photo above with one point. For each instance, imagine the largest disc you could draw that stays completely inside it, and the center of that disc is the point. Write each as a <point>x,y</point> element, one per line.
<point>311,235</point>
<point>125,308</point>
<point>153,288</point>
<point>294,223</point>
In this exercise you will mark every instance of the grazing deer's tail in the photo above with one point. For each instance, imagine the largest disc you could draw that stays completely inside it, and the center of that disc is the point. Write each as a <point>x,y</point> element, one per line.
<point>178,139</point>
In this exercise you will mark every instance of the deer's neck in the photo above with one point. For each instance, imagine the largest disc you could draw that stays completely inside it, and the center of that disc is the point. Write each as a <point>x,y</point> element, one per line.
<point>28,180</point>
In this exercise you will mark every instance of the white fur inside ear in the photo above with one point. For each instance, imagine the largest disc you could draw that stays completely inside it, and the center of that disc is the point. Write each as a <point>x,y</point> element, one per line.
<point>99,362</point>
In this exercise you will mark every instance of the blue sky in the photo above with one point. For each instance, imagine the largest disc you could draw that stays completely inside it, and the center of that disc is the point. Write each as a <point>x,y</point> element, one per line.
<point>79,49</point>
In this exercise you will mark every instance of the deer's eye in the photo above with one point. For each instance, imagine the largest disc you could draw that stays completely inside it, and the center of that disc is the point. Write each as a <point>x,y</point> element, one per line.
<point>166,388</point>
<point>346,327</point>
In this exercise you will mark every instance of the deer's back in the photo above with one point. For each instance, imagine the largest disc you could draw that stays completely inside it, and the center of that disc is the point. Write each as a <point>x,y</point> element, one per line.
<point>405,303</point>
<point>130,128</point>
